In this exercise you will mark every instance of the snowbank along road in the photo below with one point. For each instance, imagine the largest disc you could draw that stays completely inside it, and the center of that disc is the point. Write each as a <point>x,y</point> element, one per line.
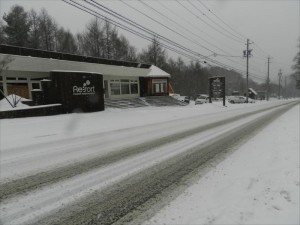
<point>115,176</point>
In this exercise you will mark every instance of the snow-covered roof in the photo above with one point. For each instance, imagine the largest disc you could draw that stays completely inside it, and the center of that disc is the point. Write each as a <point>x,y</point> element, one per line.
<point>157,72</point>
<point>254,92</point>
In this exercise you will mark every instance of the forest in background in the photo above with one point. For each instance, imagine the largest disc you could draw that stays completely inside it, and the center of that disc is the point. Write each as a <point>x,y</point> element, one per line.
<point>39,30</point>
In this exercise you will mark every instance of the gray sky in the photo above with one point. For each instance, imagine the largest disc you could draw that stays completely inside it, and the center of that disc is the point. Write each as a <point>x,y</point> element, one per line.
<point>273,26</point>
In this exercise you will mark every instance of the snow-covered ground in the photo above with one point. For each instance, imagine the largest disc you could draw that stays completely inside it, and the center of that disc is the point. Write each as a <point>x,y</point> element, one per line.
<point>257,184</point>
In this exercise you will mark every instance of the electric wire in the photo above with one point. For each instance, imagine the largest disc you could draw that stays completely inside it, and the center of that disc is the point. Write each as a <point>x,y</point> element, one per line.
<point>187,9</point>
<point>215,54</point>
<point>159,13</point>
<point>111,12</point>
<point>88,10</point>
<point>93,13</point>
<point>191,25</point>
<point>220,19</point>
<point>194,6</point>
<point>167,27</point>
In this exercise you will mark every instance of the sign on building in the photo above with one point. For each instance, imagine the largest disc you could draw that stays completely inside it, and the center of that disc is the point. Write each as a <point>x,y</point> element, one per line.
<point>77,91</point>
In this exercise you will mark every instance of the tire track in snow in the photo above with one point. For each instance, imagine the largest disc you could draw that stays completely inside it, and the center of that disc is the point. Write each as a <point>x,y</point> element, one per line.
<point>45,178</point>
<point>121,203</point>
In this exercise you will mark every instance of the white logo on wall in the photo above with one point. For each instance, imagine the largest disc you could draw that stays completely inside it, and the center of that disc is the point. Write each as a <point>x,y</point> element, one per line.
<point>86,89</point>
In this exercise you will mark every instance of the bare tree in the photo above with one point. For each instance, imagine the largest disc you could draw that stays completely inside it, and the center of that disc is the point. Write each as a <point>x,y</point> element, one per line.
<point>48,30</point>
<point>92,39</point>
<point>154,54</point>
<point>4,66</point>
<point>65,41</point>
<point>35,31</point>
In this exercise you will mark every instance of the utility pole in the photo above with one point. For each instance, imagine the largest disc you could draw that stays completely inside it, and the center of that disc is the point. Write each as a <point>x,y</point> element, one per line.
<point>247,54</point>
<point>285,95</point>
<point>279,77</point>
<point>268,79</point>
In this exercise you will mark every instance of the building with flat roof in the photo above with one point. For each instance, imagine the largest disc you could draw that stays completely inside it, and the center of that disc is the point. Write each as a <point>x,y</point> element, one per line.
<point>23,69</point>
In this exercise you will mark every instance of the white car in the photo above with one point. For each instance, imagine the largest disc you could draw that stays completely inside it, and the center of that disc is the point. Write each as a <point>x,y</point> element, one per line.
<point>202,99</point>
<point>236,99</point>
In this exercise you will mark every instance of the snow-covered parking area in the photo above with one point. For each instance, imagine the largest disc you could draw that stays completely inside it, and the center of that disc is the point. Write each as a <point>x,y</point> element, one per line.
<point>256,183</point>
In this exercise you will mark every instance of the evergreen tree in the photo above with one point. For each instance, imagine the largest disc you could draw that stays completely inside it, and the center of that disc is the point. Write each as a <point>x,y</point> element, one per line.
<point>17,26</point>
<point>2,36</point>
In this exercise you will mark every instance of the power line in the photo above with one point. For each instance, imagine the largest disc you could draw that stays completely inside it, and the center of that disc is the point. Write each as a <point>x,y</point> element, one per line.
<point>166,26</point>
<point>188,22</point>
<point>159,13</point>
<point>94,13</point>
<point>213,21</point>
<point>243,37</point>
<point>207,23</point>
<point>193,56</point>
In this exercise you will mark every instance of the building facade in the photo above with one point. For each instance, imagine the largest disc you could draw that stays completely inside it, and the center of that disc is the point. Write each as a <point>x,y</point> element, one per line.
<point>23,69</point>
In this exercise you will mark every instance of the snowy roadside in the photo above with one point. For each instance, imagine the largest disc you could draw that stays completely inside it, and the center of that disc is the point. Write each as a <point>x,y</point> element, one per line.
<point>26,131</point>
<point>257,184</point>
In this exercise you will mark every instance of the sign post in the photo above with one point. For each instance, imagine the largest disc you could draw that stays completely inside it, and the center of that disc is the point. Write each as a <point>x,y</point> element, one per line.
<point>216,88</point>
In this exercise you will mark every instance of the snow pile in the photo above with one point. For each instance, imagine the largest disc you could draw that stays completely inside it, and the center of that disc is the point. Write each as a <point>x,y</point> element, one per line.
<point>5,105</point>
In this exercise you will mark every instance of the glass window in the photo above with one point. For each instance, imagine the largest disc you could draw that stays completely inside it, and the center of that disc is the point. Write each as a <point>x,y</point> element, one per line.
<point>11,78</point>
<point>1,92</point>
<point>115,88</point>
<point>125,88</point>
<point>36,86</point>
<point>159,86</point>
<point>134,88</point>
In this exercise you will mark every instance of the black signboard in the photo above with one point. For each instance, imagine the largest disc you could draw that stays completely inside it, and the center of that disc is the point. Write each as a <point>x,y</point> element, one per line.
<point>216,88</point>
<point>78,91</point>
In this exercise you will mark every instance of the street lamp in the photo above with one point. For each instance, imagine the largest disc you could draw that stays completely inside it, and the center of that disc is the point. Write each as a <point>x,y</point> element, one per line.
<point>279,77</point>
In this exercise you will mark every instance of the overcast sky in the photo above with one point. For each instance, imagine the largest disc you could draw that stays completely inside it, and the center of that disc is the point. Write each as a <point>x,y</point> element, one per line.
<point>273,27</point>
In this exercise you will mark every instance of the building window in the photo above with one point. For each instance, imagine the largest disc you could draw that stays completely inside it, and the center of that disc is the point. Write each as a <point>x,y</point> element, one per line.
<point>11,78</point>
<point>125,87</point>
<point>2,91</point>
<point>115,88</point>
<point>134,89</point>
<point>159,86</point>
<point>36,86</point>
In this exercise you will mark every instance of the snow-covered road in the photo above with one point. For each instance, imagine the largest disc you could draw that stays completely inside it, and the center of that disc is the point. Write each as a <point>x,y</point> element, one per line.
<point>67,152</point>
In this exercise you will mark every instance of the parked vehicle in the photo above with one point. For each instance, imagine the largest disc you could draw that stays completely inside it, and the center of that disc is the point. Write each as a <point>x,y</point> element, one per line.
<point>250,100</point>
<point>201,99</point>
<point>176,96</point>
<point>236,99</point>
<point>184,99</point>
